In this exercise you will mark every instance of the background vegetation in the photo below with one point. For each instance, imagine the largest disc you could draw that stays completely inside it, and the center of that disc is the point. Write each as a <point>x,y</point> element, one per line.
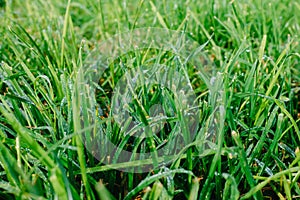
<point>254,44</point>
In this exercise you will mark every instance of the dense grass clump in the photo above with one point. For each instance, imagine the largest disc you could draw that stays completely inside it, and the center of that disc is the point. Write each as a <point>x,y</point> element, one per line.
<point>46,122</point>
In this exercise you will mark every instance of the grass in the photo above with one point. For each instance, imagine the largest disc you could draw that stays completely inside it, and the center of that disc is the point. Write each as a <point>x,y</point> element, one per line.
<point>47,121</point>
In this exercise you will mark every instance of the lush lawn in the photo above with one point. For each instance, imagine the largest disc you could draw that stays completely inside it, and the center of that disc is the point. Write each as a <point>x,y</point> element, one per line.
<point>235,117</point>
